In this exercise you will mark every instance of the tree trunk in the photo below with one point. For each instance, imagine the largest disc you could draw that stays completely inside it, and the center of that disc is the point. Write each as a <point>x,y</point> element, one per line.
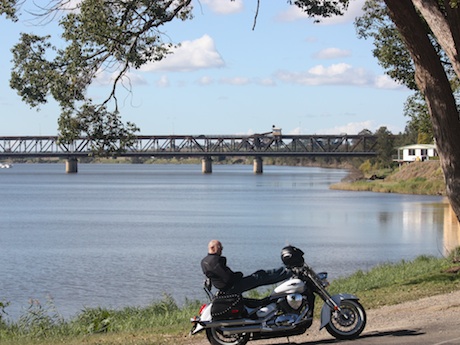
<point>432,81</point>
<point>444,27</point>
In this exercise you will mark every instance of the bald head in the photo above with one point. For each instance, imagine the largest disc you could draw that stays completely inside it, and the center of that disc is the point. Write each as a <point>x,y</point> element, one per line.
<point>215,247</point>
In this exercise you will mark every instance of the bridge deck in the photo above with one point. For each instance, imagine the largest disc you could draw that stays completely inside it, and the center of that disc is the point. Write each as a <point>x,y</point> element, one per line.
<point>258,145</point>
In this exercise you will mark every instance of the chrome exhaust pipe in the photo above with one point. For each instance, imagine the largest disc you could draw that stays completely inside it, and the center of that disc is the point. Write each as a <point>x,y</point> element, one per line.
<point>254,329</point>
<point>244,329</point>
<point>232,323</point>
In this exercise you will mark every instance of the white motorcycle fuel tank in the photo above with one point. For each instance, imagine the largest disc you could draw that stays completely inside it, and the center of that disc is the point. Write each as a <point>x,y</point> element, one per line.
<point>290,286</point>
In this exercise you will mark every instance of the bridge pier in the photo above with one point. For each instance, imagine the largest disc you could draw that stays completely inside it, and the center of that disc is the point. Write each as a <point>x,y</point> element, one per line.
<point>258,165</point>
<point>206,165</point>
<point>71,165</point>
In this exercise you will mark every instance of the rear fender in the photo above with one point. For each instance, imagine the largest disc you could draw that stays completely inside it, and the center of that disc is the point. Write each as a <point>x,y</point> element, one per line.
<point>204,316</point>
<point>326,311</point>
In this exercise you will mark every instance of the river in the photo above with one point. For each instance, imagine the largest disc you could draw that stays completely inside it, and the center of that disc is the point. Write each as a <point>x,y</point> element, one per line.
<point>115,235</point>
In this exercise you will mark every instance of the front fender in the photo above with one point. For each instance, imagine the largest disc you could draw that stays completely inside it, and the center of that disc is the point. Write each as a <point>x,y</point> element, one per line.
<point>326,311</point>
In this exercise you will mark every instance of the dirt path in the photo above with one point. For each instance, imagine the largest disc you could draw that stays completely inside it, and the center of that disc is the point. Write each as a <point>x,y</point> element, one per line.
<point>432,317</point>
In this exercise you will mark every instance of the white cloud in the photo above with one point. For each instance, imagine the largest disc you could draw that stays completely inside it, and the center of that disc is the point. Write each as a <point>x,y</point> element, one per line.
<point>163,81</point>
<point>132,79</point>
<point>248,132</point>
<point>224,6</point>
<point>311,39</point>
<point>336,74</point>
<point>206,80</point>
<point>349,128</point>
<point>293,13</point>
<point>104,78</point>
<point>333,70</point>
<point>296,131</point>
<point>385,82</point>
<point>70,5</point>
<point>354,10</point>
<point>332,53</point>
<point>266,82</point>
<point>190,56</point>
<point>236,81</point>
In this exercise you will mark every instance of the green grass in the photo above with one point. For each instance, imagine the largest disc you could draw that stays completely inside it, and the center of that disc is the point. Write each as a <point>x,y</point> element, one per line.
<point>164,322</point>
<point>417,185</point>
<point>395,283</point>
<point>153,324</point>
<point>424,178</point>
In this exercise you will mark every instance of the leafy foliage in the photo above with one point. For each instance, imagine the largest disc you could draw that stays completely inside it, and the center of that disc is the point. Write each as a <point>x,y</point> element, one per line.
<point>420,122</point>
<point>101,36</point>
<point>110,135</point>
<point>389,50</point>
<point>8,8</point>
<point>322,8</point>
<point>385,147</point>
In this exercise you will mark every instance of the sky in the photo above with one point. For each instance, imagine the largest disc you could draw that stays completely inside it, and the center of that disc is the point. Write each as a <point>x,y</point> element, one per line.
<point>226,78</point>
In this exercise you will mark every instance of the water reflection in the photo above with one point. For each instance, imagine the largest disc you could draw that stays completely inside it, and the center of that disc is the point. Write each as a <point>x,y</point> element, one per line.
<point>384,217</point>
<point>451,230</point>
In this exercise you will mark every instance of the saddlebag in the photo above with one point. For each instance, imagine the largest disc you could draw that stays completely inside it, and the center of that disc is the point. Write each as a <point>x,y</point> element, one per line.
<point>229,306</point>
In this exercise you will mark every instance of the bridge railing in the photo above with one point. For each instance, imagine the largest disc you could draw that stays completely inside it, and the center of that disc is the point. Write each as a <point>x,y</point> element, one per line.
<point>194,145</point>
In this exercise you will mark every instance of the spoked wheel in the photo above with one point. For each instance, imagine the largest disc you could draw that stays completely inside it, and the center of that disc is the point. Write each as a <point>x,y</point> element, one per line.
<point>349,322</point>
<point>216,337</point>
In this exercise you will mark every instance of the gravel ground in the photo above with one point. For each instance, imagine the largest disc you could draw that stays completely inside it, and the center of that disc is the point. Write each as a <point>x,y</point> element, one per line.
<point>433,314</point>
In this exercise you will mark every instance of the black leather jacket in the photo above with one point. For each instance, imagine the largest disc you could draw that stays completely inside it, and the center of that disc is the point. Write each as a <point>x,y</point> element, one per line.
<point>215,267</point>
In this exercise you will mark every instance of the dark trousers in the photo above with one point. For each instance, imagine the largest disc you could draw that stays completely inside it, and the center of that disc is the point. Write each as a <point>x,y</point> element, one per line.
<point>259,278</point>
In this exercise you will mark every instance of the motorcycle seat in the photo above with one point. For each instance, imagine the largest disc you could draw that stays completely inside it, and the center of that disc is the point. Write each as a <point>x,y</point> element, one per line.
<point>256,303</point>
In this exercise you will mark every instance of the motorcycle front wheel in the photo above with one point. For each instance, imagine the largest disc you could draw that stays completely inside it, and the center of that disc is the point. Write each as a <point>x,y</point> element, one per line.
<point>216,337</point>
<point>349,322</point>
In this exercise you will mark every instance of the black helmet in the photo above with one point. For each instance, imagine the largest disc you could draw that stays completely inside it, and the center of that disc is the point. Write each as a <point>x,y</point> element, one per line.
<point>292,256</point>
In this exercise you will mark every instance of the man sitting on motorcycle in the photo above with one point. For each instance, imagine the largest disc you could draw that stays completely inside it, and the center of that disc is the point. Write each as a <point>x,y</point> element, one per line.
<point>214,266</point>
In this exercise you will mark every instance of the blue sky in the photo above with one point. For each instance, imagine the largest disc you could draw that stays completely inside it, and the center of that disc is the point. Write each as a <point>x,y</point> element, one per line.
<point>226,78</point>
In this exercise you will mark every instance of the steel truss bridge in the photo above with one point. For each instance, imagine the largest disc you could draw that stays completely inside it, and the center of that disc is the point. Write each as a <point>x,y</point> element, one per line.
<point>205,146</point>
<point>263,145</point>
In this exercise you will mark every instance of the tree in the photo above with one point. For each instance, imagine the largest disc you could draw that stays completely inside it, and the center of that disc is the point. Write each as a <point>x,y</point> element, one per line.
<point>411,18</point>
<point>420,122</point>
<point>389,48</point>
<point>432,79</point>
<point>393,56</point>
<point>385,147</point>
<point>100,35</point>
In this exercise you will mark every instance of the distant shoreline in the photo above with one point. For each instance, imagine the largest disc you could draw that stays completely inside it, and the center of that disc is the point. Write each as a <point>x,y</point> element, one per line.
<point>422,178</point>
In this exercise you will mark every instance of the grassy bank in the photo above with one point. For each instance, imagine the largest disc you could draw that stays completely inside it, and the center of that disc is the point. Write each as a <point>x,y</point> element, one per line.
<point>157,323</point>
<point>164,322</point>
<point>424,178</point>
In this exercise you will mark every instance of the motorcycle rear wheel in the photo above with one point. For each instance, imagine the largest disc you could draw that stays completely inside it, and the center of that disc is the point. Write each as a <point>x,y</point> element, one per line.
<point>349,322</point>
<point>216,337</point>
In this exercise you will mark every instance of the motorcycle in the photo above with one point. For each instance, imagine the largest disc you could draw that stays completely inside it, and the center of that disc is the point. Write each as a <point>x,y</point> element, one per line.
<point>287,311</point>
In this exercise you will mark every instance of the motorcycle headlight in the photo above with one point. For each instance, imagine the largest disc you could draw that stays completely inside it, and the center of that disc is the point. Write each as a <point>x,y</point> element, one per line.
<point>322,276</point>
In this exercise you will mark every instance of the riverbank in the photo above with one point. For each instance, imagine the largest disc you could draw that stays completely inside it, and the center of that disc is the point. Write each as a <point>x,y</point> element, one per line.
<point>424,178</point>
<point>166,323</point>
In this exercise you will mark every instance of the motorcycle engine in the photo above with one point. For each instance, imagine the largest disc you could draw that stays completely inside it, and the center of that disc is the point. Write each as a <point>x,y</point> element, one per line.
<point>292,303</point>
<point>285,320</point>
<point>291,306</point>
<point>295,301</point>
